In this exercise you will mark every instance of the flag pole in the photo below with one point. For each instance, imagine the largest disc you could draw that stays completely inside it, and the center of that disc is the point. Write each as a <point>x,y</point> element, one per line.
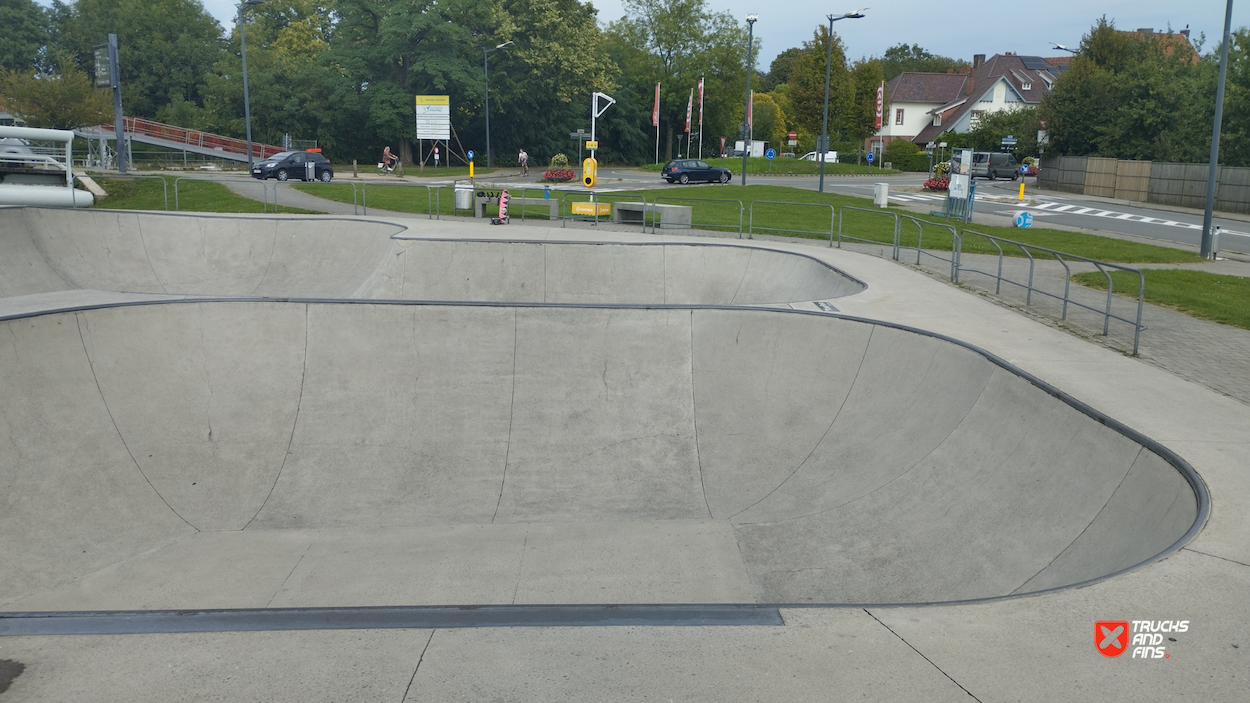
<point>700,117</point>
<point>656,119</point>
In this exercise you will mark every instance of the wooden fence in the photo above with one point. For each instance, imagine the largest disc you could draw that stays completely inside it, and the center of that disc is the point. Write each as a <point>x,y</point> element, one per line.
<point>1183,185</point>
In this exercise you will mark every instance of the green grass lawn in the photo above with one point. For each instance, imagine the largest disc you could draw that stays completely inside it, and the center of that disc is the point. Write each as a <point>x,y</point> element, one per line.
<point>193,196</point>
<point>785,220</point>
<point>1210,296</point>
<point>787,167</point>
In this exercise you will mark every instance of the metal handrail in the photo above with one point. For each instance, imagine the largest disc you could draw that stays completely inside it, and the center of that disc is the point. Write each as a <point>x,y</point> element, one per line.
<point>955,245</point>
<point>898,227</point>
<point>656,219</point>
<point>1063,258</point>
<point>833,216</point>
<point>264,188</point>
<point>547,192</point>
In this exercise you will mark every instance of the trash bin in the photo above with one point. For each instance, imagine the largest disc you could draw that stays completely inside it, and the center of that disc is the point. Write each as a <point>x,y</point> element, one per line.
<point>464,196</point>
<point>881,194</point>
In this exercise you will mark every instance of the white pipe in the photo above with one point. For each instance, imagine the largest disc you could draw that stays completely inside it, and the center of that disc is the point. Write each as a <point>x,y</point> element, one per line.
<point>56,135</point>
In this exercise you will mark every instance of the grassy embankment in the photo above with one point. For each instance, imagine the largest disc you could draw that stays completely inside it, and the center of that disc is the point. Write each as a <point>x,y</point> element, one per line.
<point>193,196</point>
<point>1209,296</point>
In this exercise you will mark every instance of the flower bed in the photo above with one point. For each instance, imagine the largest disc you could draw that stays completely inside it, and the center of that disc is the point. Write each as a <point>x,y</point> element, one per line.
<point>559,175</point>
<point>937,184</point>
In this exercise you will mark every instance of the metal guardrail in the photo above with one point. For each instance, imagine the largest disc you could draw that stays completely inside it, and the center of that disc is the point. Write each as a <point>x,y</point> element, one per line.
<point>898,228</point>
<point>833,216</point>
<point>546,196</point>
<point>569,196</point>
<point>956,245</point>
<point>657,221</point>
<point>264,186</point>
<point>1063,258</point>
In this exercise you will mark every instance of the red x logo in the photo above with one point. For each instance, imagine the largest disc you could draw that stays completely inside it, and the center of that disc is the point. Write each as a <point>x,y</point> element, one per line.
<point>1111,637</point>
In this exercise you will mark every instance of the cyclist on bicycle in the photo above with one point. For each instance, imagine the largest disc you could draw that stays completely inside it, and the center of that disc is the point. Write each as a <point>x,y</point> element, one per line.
<point>524,158</point>
<point>388,159</point>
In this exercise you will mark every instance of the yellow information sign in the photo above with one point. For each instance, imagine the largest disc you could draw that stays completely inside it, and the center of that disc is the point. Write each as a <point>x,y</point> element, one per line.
<point>595,209</point>
<point>434,100</point>
<point>592,145</point>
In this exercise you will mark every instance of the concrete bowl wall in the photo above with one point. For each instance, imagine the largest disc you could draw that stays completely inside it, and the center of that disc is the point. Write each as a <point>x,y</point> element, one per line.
<point>243,454</point>
<point>46,251</point>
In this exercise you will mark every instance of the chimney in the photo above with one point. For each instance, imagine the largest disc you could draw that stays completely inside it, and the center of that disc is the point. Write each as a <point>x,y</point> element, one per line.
<point>950,71</point>
<point>1146,31</point>
<point>977,60</point>
<point>1185,32</point>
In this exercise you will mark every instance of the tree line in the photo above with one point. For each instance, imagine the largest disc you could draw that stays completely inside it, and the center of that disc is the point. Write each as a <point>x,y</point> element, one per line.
<point>344,72</point>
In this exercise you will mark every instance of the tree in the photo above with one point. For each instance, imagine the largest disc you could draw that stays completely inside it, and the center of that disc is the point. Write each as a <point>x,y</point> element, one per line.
<point>23,34</point>
<point>779,70</point>
<point>903,58</point>
<point>1235,138</point>
<point>165,47</point>
<point>63,100</point>
<point>1133,96</point>
<point>807,85</point>
<point>861,120</point>
<point>769,120</point>
<point>675,43</point>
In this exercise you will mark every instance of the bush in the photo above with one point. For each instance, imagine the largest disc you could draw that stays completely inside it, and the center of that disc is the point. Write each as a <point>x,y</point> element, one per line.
<point>906,156</point>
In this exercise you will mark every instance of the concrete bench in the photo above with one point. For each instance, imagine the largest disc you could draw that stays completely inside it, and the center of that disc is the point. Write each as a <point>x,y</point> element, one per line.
<point>671,216</point>
<point>488,206</point>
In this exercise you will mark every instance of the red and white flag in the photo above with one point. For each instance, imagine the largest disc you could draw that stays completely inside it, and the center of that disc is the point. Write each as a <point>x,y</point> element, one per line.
<point>700,102</point>
<point>689,107</point>
<point>655,111</point>
<point>880,103</point>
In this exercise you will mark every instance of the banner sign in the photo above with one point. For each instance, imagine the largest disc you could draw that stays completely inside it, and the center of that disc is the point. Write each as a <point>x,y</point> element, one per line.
<point>655,111</point>
<point>880,103</point>
<point>700,102</point>
<point>434,117</point>
<point>689,107</point>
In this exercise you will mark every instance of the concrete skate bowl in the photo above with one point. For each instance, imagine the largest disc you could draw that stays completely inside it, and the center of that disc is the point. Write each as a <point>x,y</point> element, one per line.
<point>60,258</point>
<point>287,454</point>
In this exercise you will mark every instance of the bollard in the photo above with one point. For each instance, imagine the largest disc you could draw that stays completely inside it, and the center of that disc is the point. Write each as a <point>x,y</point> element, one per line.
<point>355,173</point>
<point>1021,190</point>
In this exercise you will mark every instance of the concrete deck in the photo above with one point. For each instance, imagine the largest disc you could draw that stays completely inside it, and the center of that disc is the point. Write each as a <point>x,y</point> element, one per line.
<point>261,454</point>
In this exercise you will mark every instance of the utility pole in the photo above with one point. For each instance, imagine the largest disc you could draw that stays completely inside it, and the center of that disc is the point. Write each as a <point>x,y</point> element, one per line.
<point>1205,249</point>
<point>746,129</point>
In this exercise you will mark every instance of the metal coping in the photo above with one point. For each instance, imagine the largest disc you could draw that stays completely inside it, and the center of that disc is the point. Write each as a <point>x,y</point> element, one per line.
<point>570,615</point>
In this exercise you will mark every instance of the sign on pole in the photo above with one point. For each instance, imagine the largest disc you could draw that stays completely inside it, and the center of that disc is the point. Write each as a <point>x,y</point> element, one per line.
<point>103,77</point>
<point>871,156</point>
<point>770,154</point>
<point>434,117</point>
<point>880,103</point>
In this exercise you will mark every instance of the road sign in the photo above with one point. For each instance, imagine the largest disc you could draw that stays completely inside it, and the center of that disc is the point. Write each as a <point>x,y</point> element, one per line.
<point>1009,140</point>
<point>580,135</point>
<point>592,145</point>
<point>930,146</point>
<point>1024,169</point>
<point>1024,219</point>
<point>470,153</point>
<point>770,154</point>
<point>792,138</point>
<point>433,117</point>
<point>871,157</point>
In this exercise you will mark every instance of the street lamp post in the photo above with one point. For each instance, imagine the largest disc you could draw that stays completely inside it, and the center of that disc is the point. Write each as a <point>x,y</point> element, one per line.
<point>822,148</point>
<point>247,105</point>
<point>746,129</point>
<point>1206,244</point>
<point>486,72</point>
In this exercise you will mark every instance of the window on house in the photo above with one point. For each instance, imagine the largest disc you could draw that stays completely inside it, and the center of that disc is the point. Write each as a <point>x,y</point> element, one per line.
<point>898,116</point>
<point>976,117</point>
<point>937,119</point>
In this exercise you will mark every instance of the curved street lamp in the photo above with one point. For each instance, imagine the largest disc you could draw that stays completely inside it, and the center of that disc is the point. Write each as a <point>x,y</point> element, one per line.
<point>247,105</point>
<point>486,71</point>
<point>822,148</point>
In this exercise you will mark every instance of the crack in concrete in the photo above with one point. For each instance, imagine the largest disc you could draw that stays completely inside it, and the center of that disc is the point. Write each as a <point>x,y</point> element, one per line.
<point>418,667</point>
<point>922,656</point>
<point>511,415</point>
<point>1215,556</point>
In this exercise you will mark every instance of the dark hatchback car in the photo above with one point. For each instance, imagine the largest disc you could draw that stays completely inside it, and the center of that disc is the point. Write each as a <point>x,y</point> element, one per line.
<point>294,164</point>
<point>687,170</point>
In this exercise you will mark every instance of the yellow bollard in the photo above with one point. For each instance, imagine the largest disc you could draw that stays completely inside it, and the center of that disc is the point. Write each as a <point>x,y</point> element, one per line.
<point>471,172</point>
<point>1021,191</point>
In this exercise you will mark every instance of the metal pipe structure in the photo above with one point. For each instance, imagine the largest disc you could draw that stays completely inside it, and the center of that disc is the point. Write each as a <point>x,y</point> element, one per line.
<point>1205,249</point>
<point>247,103</point>
<point>115,81</point>
<point>486,73</point>
<point>746,120</point>
<point>822,147</point>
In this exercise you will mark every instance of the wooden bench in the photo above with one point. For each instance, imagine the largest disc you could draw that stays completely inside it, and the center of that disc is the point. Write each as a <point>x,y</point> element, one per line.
<point>671,216</point>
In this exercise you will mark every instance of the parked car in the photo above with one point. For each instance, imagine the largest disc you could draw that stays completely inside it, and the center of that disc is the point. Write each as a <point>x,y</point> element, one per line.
<point>831,157</point>
<point>686,170</point>
<point>294,164</point>
<point>994,164</point>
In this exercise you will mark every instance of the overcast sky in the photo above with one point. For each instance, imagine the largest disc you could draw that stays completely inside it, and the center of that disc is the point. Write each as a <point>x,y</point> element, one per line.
<point>958,29</point>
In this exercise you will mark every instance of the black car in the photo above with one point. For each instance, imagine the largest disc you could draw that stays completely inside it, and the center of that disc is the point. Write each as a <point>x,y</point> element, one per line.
<point>294,164</point>
<point>687,170</point>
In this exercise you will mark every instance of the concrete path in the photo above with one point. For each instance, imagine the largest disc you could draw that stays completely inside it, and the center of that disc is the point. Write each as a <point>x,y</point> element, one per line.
<point>269,453</point>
